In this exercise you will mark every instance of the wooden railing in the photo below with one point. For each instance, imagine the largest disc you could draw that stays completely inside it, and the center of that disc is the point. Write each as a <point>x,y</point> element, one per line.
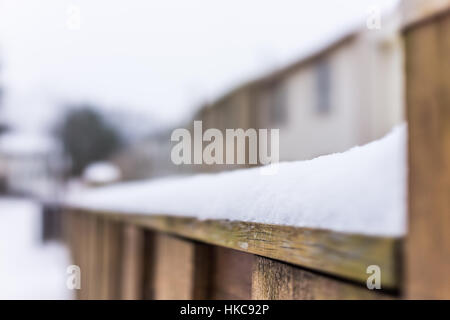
<point>163,257</point>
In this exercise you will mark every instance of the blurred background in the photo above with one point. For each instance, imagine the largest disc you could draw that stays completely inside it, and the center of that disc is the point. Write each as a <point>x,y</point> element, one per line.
<point>90,92</point>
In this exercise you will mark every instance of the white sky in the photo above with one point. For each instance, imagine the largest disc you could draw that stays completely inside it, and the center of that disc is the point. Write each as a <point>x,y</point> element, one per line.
<point>162,58</point>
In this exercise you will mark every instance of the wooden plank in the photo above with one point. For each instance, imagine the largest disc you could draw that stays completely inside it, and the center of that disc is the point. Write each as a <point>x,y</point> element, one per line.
<point>83,239</point>
<point>203,271</point>
<point>173,268</point>
<point>231,274</point>
<point>428,101</point>
<point>71,232</point>
<point>100,264</point>
<point>132,263</point>
<point>79,239</point>
<point>111,257</point>
<point>175,272</point>
<point>84,244</point>
<point>92,271</point>
<point>177,268</point>
<point>273,280</point>
<point>339,254</point>
<point>83,249</point>
<point>148,272</point>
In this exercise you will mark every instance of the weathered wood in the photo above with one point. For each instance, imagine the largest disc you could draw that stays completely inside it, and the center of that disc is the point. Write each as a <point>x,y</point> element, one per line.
<point>138,262</point>
<point>101,263</point>
<point>231,274</point>
<point>203,262</point>
<point>86,247</point>
<point>83,249</point>
<point>71,224</point>
<point>112,260</point>
<point>273,280</point>
<point>93,248</point>
<point>343,255</point>
<point>173,268</point>
<point>132,263</point>
<point>148,272</point>
<point>428,100</point>
<point>176,275</point>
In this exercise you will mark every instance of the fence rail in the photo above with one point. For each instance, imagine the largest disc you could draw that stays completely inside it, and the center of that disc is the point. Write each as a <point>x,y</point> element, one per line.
<point>166,257</point>
<point>162,257</point>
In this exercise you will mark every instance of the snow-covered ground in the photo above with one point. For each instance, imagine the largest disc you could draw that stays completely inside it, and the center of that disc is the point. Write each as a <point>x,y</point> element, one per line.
<point>29,269</point>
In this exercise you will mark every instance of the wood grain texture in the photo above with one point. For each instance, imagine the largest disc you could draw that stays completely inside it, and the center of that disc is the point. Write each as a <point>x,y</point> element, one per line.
<point>273,280</point>
<point>428,100</point>
<point>132,263</point>
<point>112,253</point>
<point>82,237</point>
<point>203,263</point>
<point>338,254</point>
<point>157,265</point>
<point>71,221</point>
<point>231,274</point>
<point>148,272</point>
<point>176,270</point>
<point>173,268</point>
<point>93,266</point>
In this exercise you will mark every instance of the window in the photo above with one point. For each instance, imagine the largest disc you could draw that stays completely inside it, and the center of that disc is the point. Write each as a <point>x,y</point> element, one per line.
<point>278,105</point>
<point>323,83</point>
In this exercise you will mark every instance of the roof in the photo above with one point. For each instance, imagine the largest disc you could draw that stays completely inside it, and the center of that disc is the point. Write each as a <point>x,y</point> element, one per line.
<point>419,11</point>
<point>292,67</point>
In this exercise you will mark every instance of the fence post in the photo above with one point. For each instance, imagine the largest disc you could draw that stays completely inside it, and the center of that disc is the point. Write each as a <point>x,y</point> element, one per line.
<point>427,260</point>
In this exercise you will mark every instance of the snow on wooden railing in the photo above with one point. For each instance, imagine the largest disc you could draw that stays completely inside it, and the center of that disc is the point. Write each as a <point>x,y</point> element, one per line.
<point>360,191</point>
<point>336,241</point>
<point>337,214</point>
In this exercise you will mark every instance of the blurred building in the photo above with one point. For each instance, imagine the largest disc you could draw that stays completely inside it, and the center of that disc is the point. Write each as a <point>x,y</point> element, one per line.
<point>30,164</point>
<point>3,124</point>
<point>346,94</point>
<point>149,157</point>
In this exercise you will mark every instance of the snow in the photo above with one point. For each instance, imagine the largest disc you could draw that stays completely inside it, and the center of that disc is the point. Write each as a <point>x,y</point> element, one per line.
<point>359,191</point>
<point>29,269</point>
<point>101,173</point>
<point>20,143</point>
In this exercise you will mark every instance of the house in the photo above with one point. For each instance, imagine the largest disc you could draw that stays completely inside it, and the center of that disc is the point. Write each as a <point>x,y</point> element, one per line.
<point>31,164</point>
<point>347,94</point>
<point>149,157</point>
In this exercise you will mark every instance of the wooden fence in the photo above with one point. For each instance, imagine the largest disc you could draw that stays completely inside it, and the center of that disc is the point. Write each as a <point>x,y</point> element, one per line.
<point>162,257</point>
